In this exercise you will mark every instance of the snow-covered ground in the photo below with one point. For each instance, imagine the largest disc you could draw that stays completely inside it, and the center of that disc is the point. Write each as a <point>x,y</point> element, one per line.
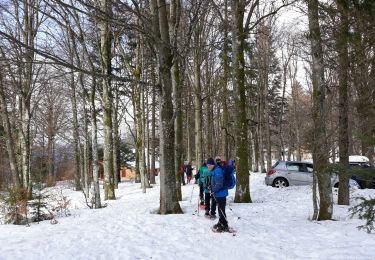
<point>275,226</point>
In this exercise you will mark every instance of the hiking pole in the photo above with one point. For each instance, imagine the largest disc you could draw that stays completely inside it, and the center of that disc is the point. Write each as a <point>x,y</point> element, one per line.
<point>198,206</point>
<point>238,217</point>
<point>191,196</point>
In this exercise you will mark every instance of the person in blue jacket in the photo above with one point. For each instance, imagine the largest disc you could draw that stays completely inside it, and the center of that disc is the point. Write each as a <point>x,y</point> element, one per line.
<point>220,193</point>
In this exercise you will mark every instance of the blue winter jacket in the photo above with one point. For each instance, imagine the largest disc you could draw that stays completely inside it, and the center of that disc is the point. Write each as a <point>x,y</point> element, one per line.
<point>217,182</point>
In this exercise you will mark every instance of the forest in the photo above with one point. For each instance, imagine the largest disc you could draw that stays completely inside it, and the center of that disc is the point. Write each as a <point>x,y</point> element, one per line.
<point>88,86</point>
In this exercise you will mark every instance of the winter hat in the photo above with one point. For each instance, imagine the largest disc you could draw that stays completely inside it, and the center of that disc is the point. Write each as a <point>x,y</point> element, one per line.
<point>210,161</point>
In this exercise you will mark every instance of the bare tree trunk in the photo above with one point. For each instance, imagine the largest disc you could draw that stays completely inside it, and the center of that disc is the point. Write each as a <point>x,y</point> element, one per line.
<point>281,137</point>
<point>86,148</point>
<point>9,136</point>
<point>320,148</point>
<point>138,115</point>
<point>76,142</point>
<point>116,138</point>
<point>146,151</point>
<point>238,69</point>
<point>226,68</point>
<point>197,100</point>
<point>94,140</point>
<point>178,126</point>
<point>314,197</point>
<point>175,12</point>
<point>93,181</point>
<point>295,98</point>
<point>153,125</point>
<point>168,195</point>
<point>343,62</point>
<point>260,133</point>
<point>25,144</point>
<point>210,133</point>
<point>105,46</point>
<point>256,149</point>
<point>51,155</point>
<point>188,133</point>
<point>29,34</point>
<point>147,136</point>
<point>263,63</point>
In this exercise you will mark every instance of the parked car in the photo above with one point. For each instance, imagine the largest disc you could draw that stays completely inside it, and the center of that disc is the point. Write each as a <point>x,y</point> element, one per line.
<point>294,173</point>
<point>362,163</point>
<point>367,181</point>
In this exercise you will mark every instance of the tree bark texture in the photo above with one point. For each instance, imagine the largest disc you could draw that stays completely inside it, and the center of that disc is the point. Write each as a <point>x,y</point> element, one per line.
<point>343,70</point>
<point>9,136</point>
<point>238,70</point>
<point>320,148</point>
<point>175,13</point>
<point>94,151</point>
<point>105,48</point>
<point>168,196</point>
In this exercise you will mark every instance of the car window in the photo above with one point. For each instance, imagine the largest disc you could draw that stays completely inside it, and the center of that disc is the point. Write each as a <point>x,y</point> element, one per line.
<point>294,167</point>
<point>309,167</point>
<point>275,165</point>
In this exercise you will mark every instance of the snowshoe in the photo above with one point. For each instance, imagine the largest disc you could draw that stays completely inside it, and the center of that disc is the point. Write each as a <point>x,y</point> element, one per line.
<point>218,228</point>
<point>209,216</point>
<point>216,225</point>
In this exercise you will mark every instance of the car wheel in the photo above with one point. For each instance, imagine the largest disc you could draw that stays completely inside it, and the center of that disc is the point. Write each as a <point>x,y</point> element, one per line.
<point>280,183</point>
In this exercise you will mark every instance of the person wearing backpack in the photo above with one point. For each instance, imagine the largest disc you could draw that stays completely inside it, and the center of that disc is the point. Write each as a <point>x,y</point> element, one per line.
<point>222,179</point>
<point>209,201</point>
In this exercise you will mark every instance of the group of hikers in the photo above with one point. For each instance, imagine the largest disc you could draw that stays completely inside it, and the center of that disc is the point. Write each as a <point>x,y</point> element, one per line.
<point>215,177</point>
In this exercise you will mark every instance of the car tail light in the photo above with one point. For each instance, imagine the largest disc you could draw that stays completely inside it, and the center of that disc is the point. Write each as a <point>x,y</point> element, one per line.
<point>270,172</point>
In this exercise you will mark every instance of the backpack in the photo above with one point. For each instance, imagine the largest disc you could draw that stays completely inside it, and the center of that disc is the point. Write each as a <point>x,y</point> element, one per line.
<point>229,179</point>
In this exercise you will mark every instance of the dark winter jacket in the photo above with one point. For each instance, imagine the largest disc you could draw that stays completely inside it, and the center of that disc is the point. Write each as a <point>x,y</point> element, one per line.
<point>189,170</point>
<point>231,166</point>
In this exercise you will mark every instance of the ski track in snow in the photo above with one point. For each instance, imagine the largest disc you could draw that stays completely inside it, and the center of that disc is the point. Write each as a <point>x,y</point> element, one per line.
<point>275,226</point>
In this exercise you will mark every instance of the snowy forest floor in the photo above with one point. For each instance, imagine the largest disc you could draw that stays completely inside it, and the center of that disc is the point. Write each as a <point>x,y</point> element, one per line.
<point>275,226</point>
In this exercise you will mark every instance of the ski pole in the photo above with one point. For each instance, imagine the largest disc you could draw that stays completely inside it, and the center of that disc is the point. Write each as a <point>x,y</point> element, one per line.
<point>238,217</point>
<point>191,196</point>
<point>198,205</point>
